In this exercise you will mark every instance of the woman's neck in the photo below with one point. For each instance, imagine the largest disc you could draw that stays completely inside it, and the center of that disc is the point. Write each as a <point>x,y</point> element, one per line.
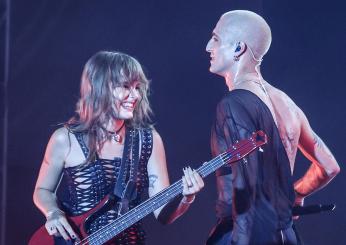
<point>114,125</point>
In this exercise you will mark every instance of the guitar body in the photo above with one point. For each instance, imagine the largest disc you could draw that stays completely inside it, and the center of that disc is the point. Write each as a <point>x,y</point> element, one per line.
<point>80,224</point>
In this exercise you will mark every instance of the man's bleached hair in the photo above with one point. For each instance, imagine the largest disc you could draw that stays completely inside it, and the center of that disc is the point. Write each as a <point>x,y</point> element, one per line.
<point>249,27</point>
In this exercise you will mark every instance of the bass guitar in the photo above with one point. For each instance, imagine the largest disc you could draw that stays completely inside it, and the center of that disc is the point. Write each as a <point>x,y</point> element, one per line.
<point>81,223</point>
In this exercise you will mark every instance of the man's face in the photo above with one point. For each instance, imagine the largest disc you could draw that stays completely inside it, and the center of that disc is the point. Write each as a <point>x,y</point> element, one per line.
<point>221,50</point>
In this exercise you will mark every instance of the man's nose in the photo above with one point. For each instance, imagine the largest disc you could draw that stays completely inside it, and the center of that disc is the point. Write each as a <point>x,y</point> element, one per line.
<point>208,47</point>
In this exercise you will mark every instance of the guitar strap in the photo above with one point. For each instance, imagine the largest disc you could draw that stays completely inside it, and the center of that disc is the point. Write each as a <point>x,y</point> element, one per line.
<point>125,187</point>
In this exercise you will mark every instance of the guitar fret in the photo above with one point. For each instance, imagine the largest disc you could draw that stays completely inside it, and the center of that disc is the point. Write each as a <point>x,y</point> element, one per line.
<point>236,152</point>
<point>170,192</point>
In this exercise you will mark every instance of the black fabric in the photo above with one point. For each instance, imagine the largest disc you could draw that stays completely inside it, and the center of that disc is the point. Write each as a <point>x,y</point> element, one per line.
<point>125,187</point>
<point>83,187</point>
<point>261,190</point>
<point>221,233</point>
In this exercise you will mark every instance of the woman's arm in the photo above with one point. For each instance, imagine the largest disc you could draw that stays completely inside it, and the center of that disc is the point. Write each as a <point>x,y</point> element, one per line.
<point>158,180</point>
<point>50,173</point>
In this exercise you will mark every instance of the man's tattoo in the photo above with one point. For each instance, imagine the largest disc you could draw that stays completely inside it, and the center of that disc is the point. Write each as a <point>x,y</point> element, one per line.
<point>317,141</point>
<point>152,179</point>
<point>320,145</point>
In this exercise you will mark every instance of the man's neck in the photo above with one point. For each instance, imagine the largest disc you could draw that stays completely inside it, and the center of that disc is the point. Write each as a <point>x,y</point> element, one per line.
<point>239,78</point>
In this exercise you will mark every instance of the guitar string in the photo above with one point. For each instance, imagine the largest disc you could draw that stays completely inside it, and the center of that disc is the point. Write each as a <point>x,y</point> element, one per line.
<point>127,221</point>
<point>175,189</point>
<point>225,157</point>
<point>98,237</point>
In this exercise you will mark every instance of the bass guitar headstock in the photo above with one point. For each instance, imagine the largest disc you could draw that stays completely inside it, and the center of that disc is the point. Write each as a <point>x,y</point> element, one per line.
<point>244,147</point>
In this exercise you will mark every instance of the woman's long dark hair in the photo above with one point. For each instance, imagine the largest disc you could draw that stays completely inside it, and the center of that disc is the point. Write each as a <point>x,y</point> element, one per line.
<point>102,73</point>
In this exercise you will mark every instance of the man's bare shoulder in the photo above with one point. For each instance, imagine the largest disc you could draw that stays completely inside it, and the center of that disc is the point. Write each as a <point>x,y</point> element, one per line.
<point>281,95</point>
<point>281,98</point>
<point>289,111</point>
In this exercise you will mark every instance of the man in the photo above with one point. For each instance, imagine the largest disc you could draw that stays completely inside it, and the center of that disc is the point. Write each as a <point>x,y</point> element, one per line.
<point>260,188</point>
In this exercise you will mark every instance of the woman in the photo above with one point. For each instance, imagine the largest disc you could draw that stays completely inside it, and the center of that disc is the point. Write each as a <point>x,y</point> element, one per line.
<point>108,147</point>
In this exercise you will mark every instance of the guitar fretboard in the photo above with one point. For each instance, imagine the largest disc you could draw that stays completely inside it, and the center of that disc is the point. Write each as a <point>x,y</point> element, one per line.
<point>134,215</point>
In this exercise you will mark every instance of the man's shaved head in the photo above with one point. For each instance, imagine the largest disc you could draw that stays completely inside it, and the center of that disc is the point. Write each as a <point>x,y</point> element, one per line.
<point>248,27</point>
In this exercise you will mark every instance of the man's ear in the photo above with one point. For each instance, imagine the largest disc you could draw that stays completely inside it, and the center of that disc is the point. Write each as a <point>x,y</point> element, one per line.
<point>240,49</point>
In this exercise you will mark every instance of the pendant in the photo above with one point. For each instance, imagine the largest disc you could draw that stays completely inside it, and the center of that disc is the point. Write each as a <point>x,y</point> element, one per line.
<point>116,137</point>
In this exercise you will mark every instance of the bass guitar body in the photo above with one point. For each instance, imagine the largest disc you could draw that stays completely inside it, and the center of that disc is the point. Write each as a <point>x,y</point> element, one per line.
<point>80,224</point>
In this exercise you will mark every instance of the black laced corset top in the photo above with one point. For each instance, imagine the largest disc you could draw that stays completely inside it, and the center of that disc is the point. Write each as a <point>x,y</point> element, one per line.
<point>86,185</point>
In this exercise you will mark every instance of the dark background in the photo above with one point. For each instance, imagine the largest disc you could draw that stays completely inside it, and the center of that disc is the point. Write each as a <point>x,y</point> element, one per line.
<point>51,40</point>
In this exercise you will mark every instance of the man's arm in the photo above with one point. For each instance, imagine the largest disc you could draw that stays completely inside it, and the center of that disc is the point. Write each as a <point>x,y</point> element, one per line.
<point>324,166</point>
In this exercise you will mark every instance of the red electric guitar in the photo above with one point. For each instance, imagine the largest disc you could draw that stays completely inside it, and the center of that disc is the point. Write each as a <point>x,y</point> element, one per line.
<point>81,223</point>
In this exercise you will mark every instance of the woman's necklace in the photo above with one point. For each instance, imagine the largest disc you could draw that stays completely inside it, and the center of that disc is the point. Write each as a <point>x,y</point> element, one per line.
<point>111,135</point>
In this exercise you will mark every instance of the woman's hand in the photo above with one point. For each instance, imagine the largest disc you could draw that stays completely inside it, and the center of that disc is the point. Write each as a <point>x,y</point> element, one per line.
<point>192,184</point>
<point>57,225</point>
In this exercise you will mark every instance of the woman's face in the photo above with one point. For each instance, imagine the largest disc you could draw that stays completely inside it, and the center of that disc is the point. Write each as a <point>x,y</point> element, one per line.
<point>126,97</point>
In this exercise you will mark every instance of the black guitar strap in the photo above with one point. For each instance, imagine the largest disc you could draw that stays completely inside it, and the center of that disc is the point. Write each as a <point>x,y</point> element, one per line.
<point>125,187</point>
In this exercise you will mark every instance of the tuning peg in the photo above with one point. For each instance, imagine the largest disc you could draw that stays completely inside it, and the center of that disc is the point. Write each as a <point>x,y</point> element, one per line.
<point>260,149</point>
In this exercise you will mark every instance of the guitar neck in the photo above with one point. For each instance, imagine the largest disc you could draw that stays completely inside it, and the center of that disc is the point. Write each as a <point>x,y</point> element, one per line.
<point>151,204</point>
<point>235,153</point>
